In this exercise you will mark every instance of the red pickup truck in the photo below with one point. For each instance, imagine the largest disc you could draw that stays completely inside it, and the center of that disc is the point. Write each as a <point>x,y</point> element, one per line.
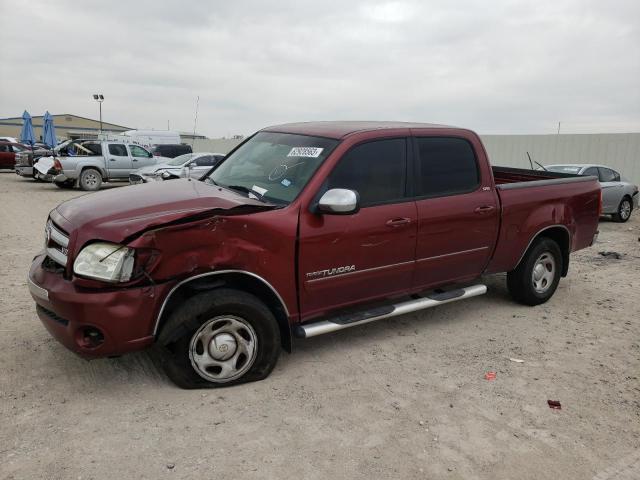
<point>302,230</point>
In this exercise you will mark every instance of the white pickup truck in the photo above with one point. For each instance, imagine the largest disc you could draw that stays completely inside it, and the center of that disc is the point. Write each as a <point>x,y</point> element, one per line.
<point>95,162</point>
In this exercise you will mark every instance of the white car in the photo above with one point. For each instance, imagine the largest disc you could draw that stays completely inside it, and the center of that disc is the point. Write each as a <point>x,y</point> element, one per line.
<point>192,165</point>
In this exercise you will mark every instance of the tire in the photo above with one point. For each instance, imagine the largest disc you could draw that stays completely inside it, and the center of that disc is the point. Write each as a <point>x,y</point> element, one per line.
<point>193,358</point>
<point>624,210</point>
<point>535,279</point>
<point>65,185</point>
<point>90,180</point>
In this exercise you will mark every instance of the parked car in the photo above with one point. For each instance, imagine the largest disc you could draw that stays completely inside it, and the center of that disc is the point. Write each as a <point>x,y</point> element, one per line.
<point>9,139</point>
<point>8,151</point>
<point>95,162</point>
<point>193,165</point>
<point>619,196</point>
<point>303,229</point>
<point>171,150</point>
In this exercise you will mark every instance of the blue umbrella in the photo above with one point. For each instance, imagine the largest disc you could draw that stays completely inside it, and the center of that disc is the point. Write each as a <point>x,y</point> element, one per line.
<point>26,134</point>
<point>49,131</point>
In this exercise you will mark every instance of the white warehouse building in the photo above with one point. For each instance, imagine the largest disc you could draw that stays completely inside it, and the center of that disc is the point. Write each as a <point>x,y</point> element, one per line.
<point>620,151</point>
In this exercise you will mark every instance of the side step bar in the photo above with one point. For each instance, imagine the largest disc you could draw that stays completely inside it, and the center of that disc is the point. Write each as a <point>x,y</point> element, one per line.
<point>379,313</point>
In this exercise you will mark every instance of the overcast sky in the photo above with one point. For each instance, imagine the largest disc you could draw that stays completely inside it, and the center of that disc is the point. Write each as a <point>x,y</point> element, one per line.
<point>494,66</point>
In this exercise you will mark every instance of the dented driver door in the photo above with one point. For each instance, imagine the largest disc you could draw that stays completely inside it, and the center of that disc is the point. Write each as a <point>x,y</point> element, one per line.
<point>368,255</point>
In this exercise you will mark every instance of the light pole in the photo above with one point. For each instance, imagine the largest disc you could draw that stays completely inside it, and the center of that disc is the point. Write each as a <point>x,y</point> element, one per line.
<point>98,97</point>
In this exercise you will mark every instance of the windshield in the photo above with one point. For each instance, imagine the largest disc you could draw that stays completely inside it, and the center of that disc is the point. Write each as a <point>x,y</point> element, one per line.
<point>180,160</point>
<point>273,166</point>
<point>564,168</point>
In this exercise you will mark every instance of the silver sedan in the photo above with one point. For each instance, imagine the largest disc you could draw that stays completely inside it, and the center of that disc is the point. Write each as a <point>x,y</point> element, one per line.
<point>192,165</point>
<point>619,196</point>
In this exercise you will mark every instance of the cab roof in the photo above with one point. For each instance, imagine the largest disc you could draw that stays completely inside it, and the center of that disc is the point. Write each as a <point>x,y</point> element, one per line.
<point>341,129</point>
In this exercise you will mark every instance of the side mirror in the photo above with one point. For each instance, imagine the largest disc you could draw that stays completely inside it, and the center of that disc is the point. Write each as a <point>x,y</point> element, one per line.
<point>339,201</point>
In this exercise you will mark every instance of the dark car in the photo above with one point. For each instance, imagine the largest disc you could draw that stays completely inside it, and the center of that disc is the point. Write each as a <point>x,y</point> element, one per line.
<point>8,152</point>
<point>171,150</point>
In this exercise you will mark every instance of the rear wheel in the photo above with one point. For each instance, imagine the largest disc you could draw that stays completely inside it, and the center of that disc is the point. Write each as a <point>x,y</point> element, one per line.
<point>535,279</point>
<point>219,338</point>
<point>90,179</point>
<point>624,210</point>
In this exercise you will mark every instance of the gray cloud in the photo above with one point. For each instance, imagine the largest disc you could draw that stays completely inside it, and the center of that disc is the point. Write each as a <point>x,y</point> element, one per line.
<point>497,67</point>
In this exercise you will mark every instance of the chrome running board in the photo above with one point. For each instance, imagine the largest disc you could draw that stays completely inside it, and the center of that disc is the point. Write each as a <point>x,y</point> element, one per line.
<point>378,313</point>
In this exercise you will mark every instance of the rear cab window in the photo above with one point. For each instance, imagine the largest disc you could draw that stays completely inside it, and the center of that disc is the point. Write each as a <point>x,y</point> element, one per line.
<point>445,166</point>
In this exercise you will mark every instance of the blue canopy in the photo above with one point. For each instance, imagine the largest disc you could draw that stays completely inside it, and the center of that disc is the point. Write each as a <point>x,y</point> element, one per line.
<point>49,131</point>
<point>26,134</point>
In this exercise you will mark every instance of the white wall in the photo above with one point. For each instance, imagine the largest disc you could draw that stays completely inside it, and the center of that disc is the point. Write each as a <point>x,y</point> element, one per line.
<point>214,145</point>
<point>620,151</point>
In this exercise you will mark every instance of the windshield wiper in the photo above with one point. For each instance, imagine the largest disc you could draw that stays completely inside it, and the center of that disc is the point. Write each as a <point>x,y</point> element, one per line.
<point>247,190</point>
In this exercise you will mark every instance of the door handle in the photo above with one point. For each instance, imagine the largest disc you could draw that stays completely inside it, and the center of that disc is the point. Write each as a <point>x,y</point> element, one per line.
<point>134,160</point>
<point>397,222</point>
<point>484,209</point>
<point>112,159</point>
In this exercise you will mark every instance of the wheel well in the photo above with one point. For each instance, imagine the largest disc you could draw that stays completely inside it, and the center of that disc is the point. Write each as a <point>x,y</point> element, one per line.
<point>238,281</point>
<point>561,236</point>
<point>86,167</point>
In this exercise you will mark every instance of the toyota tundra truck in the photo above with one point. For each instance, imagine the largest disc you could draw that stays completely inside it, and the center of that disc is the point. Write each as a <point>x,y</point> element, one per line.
<point>302,230</point>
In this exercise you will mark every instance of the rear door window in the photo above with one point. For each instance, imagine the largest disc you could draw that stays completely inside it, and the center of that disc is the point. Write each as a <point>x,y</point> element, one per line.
<point>445,166</point>
<point>118,150</point>
<point>205,161</point>
<point>608,175</point>
<point>376,170</point>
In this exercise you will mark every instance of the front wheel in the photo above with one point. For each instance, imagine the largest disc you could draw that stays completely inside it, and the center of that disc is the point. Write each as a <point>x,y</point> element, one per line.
<point>535,279</point>
<point>219,338</point>
<point>624,210</point>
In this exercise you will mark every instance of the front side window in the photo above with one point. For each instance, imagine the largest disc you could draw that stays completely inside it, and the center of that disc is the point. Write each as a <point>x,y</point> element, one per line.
<point>273,166</point>
<point>137,151</point>
<point>591,171</point>
<point>117,150</point>
<point>446,166</point>
<point>376,170</point>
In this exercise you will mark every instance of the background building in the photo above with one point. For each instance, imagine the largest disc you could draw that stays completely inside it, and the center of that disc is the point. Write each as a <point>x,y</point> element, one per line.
<point>67,126</point>
<point>620,151</point>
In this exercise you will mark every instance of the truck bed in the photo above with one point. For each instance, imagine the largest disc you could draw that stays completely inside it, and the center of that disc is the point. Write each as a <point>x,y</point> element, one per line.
<point>509,178</point>
<point>532,201</point>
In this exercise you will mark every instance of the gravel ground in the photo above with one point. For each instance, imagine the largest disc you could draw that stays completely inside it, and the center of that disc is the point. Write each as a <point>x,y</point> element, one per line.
<point>402,398</point>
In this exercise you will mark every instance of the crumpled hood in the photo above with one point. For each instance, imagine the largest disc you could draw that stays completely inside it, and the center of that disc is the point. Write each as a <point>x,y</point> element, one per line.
<point>120,213</point>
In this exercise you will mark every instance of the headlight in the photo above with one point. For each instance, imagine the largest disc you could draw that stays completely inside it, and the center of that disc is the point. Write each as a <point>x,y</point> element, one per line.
<point>105,261</point>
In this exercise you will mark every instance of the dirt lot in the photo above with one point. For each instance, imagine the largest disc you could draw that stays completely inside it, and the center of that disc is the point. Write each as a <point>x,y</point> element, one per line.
<point>403,398</point>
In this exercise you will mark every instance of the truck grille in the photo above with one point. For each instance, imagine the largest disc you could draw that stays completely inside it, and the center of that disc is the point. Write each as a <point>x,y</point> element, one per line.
<point>56,243</point>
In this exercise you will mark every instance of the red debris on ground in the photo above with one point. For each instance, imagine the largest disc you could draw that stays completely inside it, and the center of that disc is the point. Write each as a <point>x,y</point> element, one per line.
<point>555,404</point>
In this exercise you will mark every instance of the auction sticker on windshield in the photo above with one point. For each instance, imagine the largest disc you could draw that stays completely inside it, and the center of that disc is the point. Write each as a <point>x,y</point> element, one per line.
<point>311,152</point>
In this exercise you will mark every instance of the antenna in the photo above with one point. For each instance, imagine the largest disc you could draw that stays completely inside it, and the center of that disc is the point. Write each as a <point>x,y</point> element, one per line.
<point>530,161</point>
<point>195,122</point>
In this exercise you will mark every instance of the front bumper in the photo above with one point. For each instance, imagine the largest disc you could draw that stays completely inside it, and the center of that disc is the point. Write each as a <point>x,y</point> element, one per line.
<point>125,317</point>
<point>24,171</point>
